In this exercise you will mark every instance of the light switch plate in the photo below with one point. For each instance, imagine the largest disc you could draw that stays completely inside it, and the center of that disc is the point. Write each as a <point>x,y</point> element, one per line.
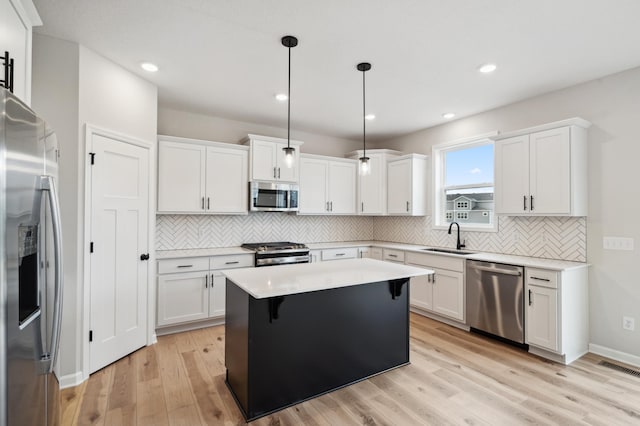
<point>617,243</point>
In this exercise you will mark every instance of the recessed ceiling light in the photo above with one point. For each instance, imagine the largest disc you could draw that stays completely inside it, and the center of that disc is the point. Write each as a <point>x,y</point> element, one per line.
<point>148,66</point>
<point>370,116</point>
<point>281,97</point>
<point>448,115</point>
<point>487,68</point>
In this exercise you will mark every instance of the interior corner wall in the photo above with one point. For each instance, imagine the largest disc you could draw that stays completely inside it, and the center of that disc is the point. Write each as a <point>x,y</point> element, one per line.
<point>611,103</point>
<point>174,122</point>
<point>55,98</point>
<point>72,87</point>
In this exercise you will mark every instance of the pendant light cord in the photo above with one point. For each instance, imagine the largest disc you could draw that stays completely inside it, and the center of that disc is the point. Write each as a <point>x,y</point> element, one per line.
<point>364,119</point>
<point>289,103</point>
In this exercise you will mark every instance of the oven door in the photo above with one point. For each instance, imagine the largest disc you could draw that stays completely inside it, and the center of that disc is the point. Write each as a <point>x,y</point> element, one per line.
<point>273,197</point>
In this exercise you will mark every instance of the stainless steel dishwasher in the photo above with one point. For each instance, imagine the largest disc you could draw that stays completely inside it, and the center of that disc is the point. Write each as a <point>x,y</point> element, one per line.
<point>495,299</point>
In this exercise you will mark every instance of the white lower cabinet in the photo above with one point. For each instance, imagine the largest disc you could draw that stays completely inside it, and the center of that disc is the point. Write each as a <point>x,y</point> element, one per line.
<point>443,292</point>
<point>199,294</point>
<point>542,321</point>
<point>182,297</point>
<point>315,256</point>
<point>557,313</point>
<point>217,294</point>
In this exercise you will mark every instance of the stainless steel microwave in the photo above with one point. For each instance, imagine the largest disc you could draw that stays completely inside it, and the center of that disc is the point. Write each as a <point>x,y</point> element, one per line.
<point>273,197</point>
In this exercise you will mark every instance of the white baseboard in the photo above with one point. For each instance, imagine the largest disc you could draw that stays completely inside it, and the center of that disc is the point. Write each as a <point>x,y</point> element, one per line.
<point>70,380</point>
<point>615,355</point>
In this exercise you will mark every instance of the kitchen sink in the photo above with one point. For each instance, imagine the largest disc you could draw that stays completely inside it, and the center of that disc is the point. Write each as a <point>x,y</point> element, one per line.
<point>449,251</point>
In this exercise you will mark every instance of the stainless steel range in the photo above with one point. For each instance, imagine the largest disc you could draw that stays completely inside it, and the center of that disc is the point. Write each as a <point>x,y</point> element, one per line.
<point>279,253</point>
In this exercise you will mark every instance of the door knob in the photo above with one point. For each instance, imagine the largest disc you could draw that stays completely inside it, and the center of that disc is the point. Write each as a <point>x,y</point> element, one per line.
<point>144,256</point>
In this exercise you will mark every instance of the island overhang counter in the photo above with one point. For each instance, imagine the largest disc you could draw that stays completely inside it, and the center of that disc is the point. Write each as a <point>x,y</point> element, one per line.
<point>293,332</point>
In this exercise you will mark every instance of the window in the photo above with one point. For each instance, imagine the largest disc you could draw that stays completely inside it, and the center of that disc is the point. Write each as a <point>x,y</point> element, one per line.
<point>464,185</point>
<point>462,205</point>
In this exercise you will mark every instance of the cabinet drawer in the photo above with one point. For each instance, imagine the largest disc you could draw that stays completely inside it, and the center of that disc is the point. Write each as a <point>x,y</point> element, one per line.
<point>435,261</point>
<point>232,261</point>
<point>542,277</point>
<point>393,255</point>
<point>336,254</point>
<point>187,264</point>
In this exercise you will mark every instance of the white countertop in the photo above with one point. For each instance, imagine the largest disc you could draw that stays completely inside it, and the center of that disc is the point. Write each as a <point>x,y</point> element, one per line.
<point>203,252</point>
<point>283,280</point>
<point>532,262</point>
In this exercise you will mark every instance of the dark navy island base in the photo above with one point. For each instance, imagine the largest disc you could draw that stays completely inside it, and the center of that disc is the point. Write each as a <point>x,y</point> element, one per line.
<point>283,350</point>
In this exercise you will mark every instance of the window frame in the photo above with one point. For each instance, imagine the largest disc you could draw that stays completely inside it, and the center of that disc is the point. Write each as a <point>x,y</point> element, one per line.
<point>438,158</point>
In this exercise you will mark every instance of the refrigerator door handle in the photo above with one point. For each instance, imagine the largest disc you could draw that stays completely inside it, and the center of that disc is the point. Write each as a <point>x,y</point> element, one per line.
<point>47,184</point>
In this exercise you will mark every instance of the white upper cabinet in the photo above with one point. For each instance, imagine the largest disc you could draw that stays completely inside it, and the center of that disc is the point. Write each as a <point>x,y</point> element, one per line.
<point>407,185</point>
<point>181,177</point>
<point>327,185</point>
<point>372,188</point>
<point>543,171</point>
<point>314,177</point>
<point>17,18</point>
<point>201,177</point>
<point>267,161</point>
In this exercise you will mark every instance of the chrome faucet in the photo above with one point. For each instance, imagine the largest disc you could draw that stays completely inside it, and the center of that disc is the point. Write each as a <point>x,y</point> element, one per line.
<point>458,244</point>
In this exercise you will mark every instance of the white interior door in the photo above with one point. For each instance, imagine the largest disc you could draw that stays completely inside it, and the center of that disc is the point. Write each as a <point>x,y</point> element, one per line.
<point>119,233</point>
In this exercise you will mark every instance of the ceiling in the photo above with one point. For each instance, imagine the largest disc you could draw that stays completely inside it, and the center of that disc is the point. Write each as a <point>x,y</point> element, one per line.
<point>224,57</point>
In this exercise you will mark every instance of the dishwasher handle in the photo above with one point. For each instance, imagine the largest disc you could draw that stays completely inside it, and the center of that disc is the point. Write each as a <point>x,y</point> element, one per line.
<point>497,270</point>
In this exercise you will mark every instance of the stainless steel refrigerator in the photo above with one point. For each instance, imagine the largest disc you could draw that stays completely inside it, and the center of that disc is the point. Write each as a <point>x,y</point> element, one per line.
<point>30,267</point>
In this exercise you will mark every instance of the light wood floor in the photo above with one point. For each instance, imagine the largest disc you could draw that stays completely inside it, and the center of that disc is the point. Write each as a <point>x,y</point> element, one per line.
<point>454,378</point>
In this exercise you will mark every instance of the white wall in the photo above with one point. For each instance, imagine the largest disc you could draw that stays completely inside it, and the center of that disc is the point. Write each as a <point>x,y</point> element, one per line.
<point>173,122</point>
<point>72,87</point>
<point>55,97</point>
<point>612,104</point>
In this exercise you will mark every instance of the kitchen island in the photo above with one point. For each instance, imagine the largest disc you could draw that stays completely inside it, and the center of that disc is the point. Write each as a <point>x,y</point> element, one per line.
<point>294,332</point>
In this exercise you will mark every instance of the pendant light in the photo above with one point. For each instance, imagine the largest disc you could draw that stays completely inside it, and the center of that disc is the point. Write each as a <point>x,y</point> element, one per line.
<point>365,167</point>
<point>289,151</point>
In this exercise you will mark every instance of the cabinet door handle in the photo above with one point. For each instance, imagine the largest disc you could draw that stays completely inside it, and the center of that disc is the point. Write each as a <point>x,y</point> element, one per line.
<point>524,201</point>
<point>185,266</point>
<point>362,207</point>
<point>340,254</point>
<point>531,203</point>
<point>327,208</point>
<point>206,281</point>
<point>540,279</point>
<point>278,172</point>
<point>407,206</point>
<point>392,255</point>
<point>211,281</point>
<point>331,206</point>
<point>274,172</point>
<point>429,278</point>
<point>208,203</point>
<point>202,203</point>
<point>433,278</point>
<point>231,263</point>
<point>530,299</point>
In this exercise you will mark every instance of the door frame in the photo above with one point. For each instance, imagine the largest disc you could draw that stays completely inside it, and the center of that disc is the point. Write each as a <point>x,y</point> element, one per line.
<point>90,131</point>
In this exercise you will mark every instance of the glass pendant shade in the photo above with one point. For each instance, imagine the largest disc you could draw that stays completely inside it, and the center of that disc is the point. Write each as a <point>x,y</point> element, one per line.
<point>365,166</point>
<point>289,156</point>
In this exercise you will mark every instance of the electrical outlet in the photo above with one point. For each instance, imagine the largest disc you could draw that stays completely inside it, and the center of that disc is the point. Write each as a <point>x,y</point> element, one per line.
<point>617,243</point>
<point>628,323</point>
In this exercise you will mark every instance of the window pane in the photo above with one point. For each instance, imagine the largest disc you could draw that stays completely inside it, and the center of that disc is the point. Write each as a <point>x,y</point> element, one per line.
<point>469,165</point>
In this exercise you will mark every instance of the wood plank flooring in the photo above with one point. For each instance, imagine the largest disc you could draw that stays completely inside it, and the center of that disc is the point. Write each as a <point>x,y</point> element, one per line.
<point>454,378</point>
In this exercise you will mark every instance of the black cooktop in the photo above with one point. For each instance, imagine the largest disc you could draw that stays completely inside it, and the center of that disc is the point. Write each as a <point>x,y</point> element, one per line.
<point>281,245</point>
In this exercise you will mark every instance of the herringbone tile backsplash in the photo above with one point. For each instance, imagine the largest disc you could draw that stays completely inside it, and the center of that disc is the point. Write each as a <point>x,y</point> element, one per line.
<point>548,237</point>
<point>186,232</point>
